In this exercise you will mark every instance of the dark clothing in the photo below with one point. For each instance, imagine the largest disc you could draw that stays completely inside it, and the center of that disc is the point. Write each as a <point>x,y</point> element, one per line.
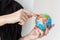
<point>9,31</point>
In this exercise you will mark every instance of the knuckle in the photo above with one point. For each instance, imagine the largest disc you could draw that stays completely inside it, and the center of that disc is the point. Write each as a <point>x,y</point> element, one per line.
<point>21,10</point>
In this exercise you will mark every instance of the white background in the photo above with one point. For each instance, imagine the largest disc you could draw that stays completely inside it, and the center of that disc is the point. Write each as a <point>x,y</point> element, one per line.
<point>50,7</point>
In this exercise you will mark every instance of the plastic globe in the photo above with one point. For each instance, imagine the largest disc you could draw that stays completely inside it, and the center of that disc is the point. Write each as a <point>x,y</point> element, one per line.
<point>43,20</point>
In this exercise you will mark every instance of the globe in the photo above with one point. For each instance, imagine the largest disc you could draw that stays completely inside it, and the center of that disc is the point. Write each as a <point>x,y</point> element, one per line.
<point>43,20</point>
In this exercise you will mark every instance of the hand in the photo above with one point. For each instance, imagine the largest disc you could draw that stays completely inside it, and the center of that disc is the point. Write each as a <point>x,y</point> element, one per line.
<point>37,33</point>
<point>20,16</point>
<point>24,16</point>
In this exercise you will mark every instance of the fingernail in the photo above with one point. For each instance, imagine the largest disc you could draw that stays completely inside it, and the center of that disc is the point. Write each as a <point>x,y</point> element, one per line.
<point>36,14</point>
<point>35,27</point>
<point>46,26</point>
<point>53,24</point>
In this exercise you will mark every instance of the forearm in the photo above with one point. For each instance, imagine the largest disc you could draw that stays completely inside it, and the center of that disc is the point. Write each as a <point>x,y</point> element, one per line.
<point>10,18</point>
<point>2,21</point>
<point>25,38</point>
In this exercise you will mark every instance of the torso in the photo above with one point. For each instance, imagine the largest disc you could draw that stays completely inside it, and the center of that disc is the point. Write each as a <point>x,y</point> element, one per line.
<point>10,31</point>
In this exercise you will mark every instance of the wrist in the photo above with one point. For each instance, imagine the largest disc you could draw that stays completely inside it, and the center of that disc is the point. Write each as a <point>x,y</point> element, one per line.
<point>12,18</point>
<point>25,38</point>
<point>2,21</point>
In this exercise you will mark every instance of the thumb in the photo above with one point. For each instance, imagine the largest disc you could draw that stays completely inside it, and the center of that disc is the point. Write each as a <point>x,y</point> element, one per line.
<point>52,26</point>
<point>47,30</point>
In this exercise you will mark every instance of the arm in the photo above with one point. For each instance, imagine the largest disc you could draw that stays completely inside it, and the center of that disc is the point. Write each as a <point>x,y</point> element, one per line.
<point>10,18</point>
<point>25,38</point>
<point>20,16</point>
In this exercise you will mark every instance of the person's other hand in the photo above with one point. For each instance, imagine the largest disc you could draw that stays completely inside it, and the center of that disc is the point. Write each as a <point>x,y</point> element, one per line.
<point>37,33</point>
<point>24,16</point>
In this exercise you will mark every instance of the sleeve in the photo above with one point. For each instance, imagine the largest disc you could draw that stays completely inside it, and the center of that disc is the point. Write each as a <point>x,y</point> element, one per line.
<point>19,27</point>
<point>17,6</point>
<point>13,30</point>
